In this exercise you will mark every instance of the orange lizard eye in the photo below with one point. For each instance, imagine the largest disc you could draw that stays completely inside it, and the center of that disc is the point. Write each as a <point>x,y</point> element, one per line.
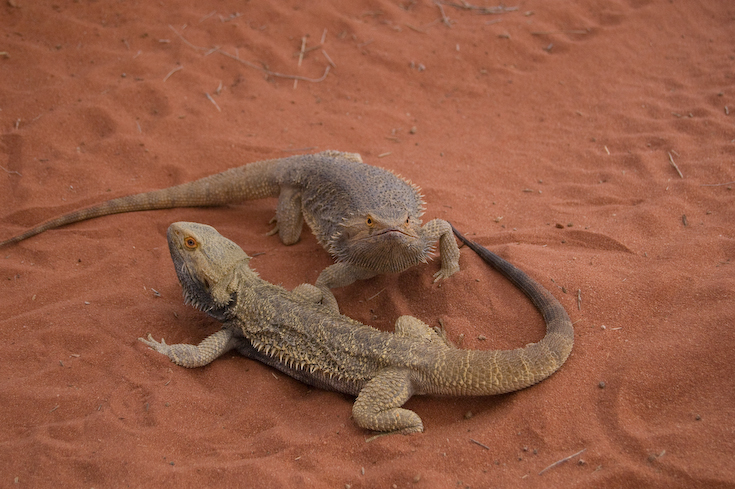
<point>190,242</point>
<point>369,221</point>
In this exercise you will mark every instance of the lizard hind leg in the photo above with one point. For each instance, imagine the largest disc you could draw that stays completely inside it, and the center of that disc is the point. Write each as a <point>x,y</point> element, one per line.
<point>315,295</point>
<point>412,327</point>
<point>289,218</point>
<point>377,407</point>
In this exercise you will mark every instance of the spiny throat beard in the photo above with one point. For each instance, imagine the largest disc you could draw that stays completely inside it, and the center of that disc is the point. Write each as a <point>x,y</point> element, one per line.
<point>387,252</point>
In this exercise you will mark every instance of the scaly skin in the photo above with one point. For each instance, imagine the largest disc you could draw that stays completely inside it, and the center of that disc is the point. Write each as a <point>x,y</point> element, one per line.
<point>366,217</point>
<point>316,345</point>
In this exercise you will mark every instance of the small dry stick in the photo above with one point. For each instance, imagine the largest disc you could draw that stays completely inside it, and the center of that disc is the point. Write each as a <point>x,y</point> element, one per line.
<point>376,295</point>
<point>324,36</point>
<point>481,444</point>
<point>414,28</point>
<point>10,171</point>
<point>301,59</point>
<point>546,33</point>
<point>210,14</point>
<point>329,59</point>
<point>671,159</point>
<point>445,19</point>
<point>716,184</point>
<point>579,299</point>
<point>565,459</point>
<point>307,50</point>
<point>483,10</point>
<point>273,73</point>
<point>212,100</point>
<point>178,68</point>
<point>251,65</point>
<point>198,48</point>
<point>301,53</point>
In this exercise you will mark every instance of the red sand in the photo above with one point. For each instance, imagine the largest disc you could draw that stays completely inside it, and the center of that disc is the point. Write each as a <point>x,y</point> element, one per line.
<point>544,133</point>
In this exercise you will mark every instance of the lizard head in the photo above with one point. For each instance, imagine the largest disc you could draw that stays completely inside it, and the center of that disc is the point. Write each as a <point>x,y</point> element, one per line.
<point>208,265</point>
<point>384,240</point>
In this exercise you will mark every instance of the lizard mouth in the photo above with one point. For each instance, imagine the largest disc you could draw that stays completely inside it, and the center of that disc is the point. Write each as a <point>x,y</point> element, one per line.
<point>393,232</point>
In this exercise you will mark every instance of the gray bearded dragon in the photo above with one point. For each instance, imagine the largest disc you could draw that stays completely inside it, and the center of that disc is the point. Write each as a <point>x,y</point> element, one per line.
<point>315,344</point>
<point>366,217</point>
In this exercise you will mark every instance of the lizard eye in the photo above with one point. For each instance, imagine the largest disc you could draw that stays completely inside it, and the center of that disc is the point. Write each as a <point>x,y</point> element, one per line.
<point>369,221</point>
<point>190,242</point>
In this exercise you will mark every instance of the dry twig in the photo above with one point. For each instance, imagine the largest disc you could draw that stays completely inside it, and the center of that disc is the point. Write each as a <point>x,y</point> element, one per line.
<point>172,72</point>
<point>212,100</point>
<point>273,73</point>
<point>565,459</point>
<point>480,444</point>
<point>716,184</point>
<point>671,159</point>
<point>10,172</point>
<point>445,19</point>
<point>500,9</point>
<point>248,63</point>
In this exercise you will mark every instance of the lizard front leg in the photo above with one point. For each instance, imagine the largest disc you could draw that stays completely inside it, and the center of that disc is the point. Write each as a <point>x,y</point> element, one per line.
<point>439,229</point>
<point>339,275</point>
<point>191,356</point>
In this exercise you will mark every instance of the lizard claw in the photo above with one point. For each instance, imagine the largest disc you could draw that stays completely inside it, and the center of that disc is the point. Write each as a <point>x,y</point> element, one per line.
<point>445,273</point>
<point>161,347</point>
<point>275,228</point>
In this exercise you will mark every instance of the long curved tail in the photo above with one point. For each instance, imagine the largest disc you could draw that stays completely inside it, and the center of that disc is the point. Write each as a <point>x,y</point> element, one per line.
<point>500,371</point>
<point>252,181</point>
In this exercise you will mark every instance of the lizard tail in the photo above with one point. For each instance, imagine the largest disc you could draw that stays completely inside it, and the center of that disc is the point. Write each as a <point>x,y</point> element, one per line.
<point>253,181</point>
<point>501,371</point>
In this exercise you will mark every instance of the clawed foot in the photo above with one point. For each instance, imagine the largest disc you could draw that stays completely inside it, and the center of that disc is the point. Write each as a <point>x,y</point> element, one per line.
<point>161,347</point>
<point>445,273</point>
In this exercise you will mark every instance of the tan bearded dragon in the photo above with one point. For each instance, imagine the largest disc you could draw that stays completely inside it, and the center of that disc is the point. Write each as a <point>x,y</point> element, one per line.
<point>316,345</point>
